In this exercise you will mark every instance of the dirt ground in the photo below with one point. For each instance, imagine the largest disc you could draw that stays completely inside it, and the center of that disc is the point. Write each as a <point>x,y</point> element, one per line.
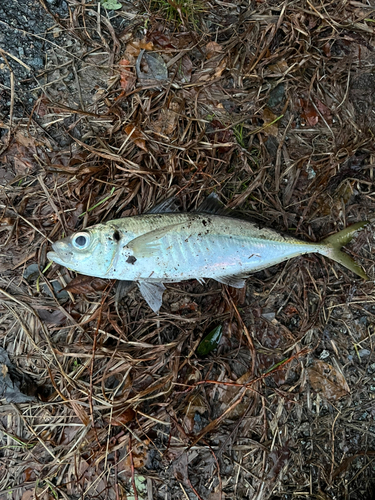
<point>103,114</point>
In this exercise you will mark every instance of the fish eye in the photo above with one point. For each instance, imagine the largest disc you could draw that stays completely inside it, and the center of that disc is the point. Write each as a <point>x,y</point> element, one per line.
<point>81,241</point>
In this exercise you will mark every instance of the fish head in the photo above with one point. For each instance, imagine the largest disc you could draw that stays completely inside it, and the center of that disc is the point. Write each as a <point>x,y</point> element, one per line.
<point>90,251</point>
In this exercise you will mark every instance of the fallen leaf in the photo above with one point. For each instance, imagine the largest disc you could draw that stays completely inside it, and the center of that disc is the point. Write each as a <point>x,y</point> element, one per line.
<point>166,122</point>
<point>220,68</point>
<point>28,495</point>
<point>328,381</point>
<point>324,111</point>
<point>308,112</point>
<point>269,117</point>
<point>185,68</point>
<point>162,41</point>
<point>22,153</point>
<point>180,469</point>
<point>15,386</point>
<point>210,341</point>
<point>136,136</point>
<point>86,284</point>
<point>279,67</point>
<point>138,453</point>
<point>29,474</point>
<point>155,68</point>
<point>111,4</point>
<point>123,418</point>
<point>195,404</point>
<point>56,317</point>
<point>313,114</point>
<point>134,47</point>
<point>216,495</point>
<point>81,413</point>
<point>217,133</point>
<point>280,457</point>
<point>127,77</point>
<point>327,49</point>
<point>346,463</point>
<point>213,48</point>
<point>290,310</point>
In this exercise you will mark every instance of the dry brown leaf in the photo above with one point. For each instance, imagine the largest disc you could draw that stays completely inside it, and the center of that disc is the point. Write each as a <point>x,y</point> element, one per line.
<point>56,317</point>
<point>268,118</point>
<point>324,111</point>
<point>124,418</point>
<point>81,413</point>
<point>328,381</point>
<point>220,68</point>
<point>279,67</point>
<point>280,457</point>
<point>127,77</point>
<point>313,114</point>
<point>213,48</point>
<point>28,495</point>
<point>308,112</point>
<point>216,495</point>
<point>329,203</point>
<point>217,132</point>
<point>180,469</point>
<point>166,123</point>
<point>86,284</point>
<point>29,474</point>
<point>195,404</point>
<point>185,68</point>
<point>136,136</point>
<point>138,454</point>
<point>134,47</point>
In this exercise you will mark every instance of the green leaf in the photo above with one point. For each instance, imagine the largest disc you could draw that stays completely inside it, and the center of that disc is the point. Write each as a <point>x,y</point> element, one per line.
<point>141,487</point>
<point>210,341</point>
<point>111,4</point>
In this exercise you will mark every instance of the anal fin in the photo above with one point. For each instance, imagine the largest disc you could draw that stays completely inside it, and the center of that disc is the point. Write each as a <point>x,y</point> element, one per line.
<point>152,293</point>
<point>234,280</point>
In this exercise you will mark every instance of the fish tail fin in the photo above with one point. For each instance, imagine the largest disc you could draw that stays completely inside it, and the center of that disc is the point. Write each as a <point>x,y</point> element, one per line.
<point>333,246</point>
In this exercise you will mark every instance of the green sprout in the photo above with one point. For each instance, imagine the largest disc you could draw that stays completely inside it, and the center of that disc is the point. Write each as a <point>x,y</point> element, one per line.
<point>239,134</point>
<point>110,4</point>
<point>180,11</point>
<point>100,202</point>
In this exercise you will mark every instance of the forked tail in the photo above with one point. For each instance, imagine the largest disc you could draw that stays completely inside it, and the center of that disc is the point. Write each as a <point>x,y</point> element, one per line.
<point>333,246</point>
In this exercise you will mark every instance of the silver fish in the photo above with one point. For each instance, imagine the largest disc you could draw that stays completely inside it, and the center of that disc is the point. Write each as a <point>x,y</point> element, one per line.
<point>165,247</point>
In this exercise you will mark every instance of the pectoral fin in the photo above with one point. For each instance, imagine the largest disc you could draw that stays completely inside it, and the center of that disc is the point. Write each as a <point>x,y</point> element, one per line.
<point>148,244</point>
<point>152,293</point>
<point>236,281</point>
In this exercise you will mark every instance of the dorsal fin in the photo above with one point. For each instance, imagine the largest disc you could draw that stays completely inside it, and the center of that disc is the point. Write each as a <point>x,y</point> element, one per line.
<point>212,205</point>
<point>166,206</point>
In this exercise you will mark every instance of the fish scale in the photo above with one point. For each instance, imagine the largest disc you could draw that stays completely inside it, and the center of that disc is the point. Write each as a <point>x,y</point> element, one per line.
<point>158,248</point>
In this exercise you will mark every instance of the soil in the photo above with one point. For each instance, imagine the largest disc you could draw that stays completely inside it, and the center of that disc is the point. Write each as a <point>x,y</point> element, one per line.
<point>105,113</point>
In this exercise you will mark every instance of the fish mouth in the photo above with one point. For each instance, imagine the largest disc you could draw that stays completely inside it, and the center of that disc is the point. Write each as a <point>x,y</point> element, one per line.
<point>61,254</point>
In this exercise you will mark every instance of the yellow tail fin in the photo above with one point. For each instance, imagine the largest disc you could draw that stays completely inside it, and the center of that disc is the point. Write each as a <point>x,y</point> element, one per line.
<point>333,246</point>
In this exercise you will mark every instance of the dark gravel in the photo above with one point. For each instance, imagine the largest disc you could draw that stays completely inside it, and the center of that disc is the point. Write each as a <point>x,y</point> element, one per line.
<point>25,33</point>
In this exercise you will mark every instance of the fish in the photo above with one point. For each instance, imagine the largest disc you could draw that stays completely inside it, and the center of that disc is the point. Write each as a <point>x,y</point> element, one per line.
<point>165,245</point>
